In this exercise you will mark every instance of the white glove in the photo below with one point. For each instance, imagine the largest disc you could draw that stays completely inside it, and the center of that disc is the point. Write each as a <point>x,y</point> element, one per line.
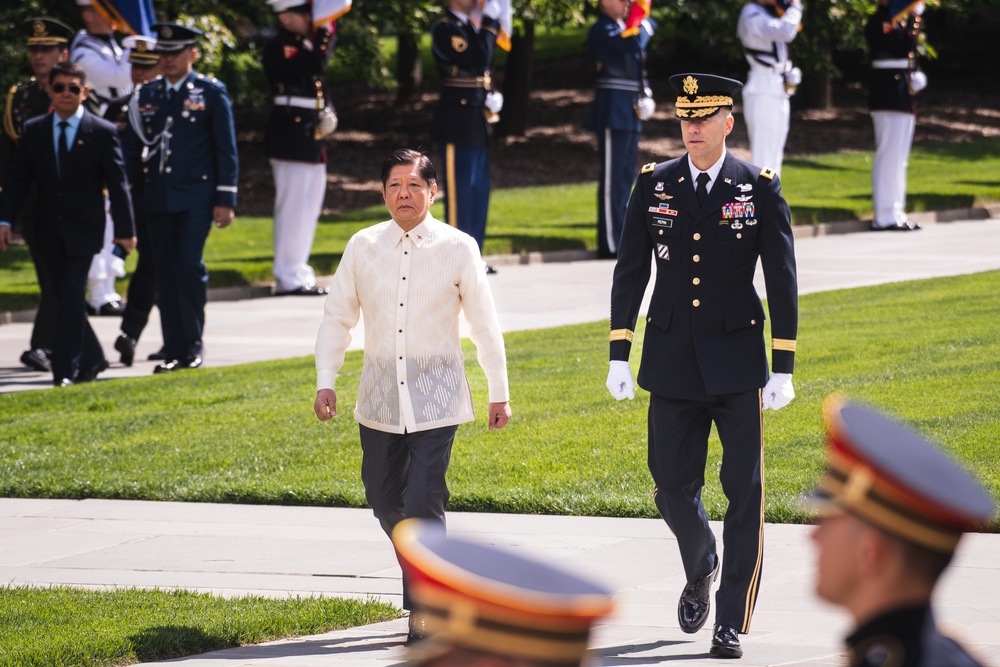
<point>644,108</point>
<point>492,9</point>
<point>778,391</point>
<point>326,123</point>
<point>793,76</point>
<point>494,101</point>
<point>620,380</point>
<point>919,9</point>
<point>918,81</point>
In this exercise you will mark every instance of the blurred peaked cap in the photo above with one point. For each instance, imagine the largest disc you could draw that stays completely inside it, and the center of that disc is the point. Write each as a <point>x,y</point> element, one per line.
<point>480,597</point>
<point>289,5</point>
<point>171,37</point>
<point>143,50</point>
<point>702,95</point>
<point>43,31</point>
<point>898,7</point>
<point>83,3</point>
<point>896,479</point>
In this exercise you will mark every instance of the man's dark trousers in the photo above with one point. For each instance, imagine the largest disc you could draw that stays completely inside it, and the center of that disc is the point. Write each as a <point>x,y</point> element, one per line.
<point>142,284</point>
<point>404,476</point>
<point>76,346</point>
<point>678,437</point>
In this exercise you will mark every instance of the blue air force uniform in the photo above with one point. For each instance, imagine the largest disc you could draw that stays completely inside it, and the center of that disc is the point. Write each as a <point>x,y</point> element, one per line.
<point>704,359</point>
<point>183,146</point>
<point>620,83</point>
<point>460,129</point>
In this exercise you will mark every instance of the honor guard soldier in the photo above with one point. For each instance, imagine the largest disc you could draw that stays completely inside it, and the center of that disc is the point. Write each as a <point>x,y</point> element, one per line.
<point>482,606</point>
<point>48,44</point>
<point>145,62</point>
<point>107,65</point>
<point>893,508</point>
<point>463,53</point>
<point>183,144</point>
<point>302,116</point>
<point>766,28</point>
<point>892,33</point>
<point>620,105</point>
<point>705,218</point>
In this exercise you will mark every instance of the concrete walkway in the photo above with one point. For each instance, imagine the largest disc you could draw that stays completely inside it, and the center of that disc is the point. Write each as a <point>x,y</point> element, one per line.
<point>282,551</point>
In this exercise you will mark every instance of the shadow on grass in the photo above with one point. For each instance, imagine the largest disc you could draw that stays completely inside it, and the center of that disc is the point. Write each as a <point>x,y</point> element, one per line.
<point>929,201</point>
<point>172,641</point>
<point>517,243</point>
<point>805,163</point>
<point>808,215</point>
<point>980,149</point>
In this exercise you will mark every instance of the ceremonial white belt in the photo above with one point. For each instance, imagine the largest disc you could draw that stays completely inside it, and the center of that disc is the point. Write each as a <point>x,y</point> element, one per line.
<point>619,84</point>
<point>891,63</point>
<point>778,68</point>
<point>293,101</point>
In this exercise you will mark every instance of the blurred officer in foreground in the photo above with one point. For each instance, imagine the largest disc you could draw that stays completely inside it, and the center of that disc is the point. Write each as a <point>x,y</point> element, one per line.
<point>766,28</point>
<point>892,33</point>
<point>145,62</point>
<point>183,147</point>
<point>704,359</point>
<point>893,508</point>
<point>461,127</point>
<point>481,606</point>
<point>48,44</point>
<point>620,105</point>
<point>295,62</point>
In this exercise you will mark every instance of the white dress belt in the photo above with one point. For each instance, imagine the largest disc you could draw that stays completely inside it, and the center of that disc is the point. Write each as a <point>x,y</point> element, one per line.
<point>891,63</point>
<point>294,101</point>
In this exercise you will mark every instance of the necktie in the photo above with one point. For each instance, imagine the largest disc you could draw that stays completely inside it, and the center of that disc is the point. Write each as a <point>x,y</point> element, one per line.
<point>170,93</point>
<point>702,190</point>
<point>63,146</point>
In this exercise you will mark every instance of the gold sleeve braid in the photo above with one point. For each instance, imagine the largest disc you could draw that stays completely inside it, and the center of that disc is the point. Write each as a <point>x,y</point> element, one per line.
<point>783,344</point>
<point>8,115</point>
<point>620,334</point>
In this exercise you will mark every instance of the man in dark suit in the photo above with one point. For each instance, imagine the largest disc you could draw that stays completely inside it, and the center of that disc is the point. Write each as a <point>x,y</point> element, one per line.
<point>47,41</point>
<point>463,53</point>
<point>70,156</point>
<point>183,147</point>
<point>705,218</point>
<point>621,103</point>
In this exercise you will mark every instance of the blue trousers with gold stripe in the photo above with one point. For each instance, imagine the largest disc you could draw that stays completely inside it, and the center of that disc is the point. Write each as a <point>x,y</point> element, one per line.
<point>678,449</point>
<point>617,150</point>
<point>467,186</point>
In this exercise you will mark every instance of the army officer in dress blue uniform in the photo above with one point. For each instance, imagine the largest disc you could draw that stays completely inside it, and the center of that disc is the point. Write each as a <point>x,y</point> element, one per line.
<point>464,53</point>
<point>705,218</point>
<point>621,103</point>
<point>183,145</point>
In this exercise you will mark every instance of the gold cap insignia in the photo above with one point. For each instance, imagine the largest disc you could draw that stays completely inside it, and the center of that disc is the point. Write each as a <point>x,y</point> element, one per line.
<point>38,27</point>
<point>166,32</point>
<point>690,85</point>
<point>140,46</point>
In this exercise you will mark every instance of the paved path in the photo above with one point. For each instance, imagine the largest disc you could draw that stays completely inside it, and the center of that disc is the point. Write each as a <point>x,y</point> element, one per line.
<point>281,551</point>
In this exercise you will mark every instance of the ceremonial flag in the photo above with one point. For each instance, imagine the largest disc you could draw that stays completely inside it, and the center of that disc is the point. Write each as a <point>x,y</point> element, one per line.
<point>506,20</point>
<point>325,12</point>
<point>132,17</point>
<point>637,13</point>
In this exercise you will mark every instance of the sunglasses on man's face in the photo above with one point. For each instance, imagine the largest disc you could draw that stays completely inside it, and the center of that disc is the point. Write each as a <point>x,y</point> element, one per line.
<point>73,88</point>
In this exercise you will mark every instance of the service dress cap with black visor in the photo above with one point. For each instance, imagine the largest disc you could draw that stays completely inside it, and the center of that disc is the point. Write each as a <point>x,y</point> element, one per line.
<point>895,479</point>
<point>44,31</point>
<point>174,38</point>
<point>702,96</point>
<point>143,50</point>
<point>279,6</point>
<point>483,598</point>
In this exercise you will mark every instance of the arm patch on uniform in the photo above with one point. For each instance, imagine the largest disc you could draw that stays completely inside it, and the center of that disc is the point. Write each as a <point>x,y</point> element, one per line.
<point>646,168</point>
<point>767,173</point>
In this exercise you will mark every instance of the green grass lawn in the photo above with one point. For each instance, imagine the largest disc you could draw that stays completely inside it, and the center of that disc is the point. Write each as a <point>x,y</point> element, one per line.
<point>46,627</point>
<point>927,350</point>
<point>829,187</point>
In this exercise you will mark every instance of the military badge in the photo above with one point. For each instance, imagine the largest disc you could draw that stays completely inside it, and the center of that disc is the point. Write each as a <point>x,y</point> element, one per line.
<point>744,187</point>
<point>459,44</point>
<point>662,196</point>
<point>659,186</point>
<point>751,222</point>
<point>291,52</point>
<point>743,197</point>
<point>738,210</point>
<point>663,222</point>
<point>737,225</point>
<point>662,251</point>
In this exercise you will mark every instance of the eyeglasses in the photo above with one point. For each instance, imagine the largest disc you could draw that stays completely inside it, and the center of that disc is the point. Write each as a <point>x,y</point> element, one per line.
<point>60,87</point>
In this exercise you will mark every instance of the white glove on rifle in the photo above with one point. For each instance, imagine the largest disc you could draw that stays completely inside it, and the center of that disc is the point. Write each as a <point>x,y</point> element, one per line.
<point>494,101</point>
<point>492,9</point>
<point>620,382</point>
<point>778,391</point>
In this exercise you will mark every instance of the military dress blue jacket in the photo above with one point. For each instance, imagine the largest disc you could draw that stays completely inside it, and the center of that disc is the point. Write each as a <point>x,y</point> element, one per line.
<point>619,60</point>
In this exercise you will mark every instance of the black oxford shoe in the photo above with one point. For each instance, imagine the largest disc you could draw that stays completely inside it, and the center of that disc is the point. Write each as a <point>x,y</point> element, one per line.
<point>37,359</point>
<point>63,382</point>
<point>178,364</point>
<point>157,356</point>
<point>125,345</point>
<point>692,609</point>
<point>305,290</point>
<point>898,227</point>
<point>109,309</point>
<point>726,642</point>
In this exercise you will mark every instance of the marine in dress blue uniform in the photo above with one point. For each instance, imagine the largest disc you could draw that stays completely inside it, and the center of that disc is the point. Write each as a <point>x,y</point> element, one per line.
<point>183,148</point>
<point>891,34</point>
<point>614,116</point>
<point>463,54</point>
<point>25,100</point>
<point>892,510</point>
<point>295,63</point>
<point>704,358</point>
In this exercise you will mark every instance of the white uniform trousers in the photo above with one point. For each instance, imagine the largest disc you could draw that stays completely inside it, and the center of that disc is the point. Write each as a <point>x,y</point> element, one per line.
<point>105,268</point>
<point>893,139</point>
<point>299,189</point>
<point>767,110</point>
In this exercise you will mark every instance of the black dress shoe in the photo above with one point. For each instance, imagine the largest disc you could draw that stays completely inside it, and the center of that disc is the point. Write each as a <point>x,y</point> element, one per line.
<point>898,227</point>
<point>37,359</point>
<point>109,309</point>
<point>692,608</point>
<point>90,374</point>
<point>125,344</point>
<point>178,364</point>
<point>62,382</point>
<point>490,270</point>
<point>726,642</point>
<point>305,290</point>
<point>157,356</point>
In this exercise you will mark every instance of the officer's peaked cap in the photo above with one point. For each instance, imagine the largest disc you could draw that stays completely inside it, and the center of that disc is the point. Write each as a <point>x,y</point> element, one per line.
<point>171,37</point>
<point>43,31</point>
<point>703,95</point>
